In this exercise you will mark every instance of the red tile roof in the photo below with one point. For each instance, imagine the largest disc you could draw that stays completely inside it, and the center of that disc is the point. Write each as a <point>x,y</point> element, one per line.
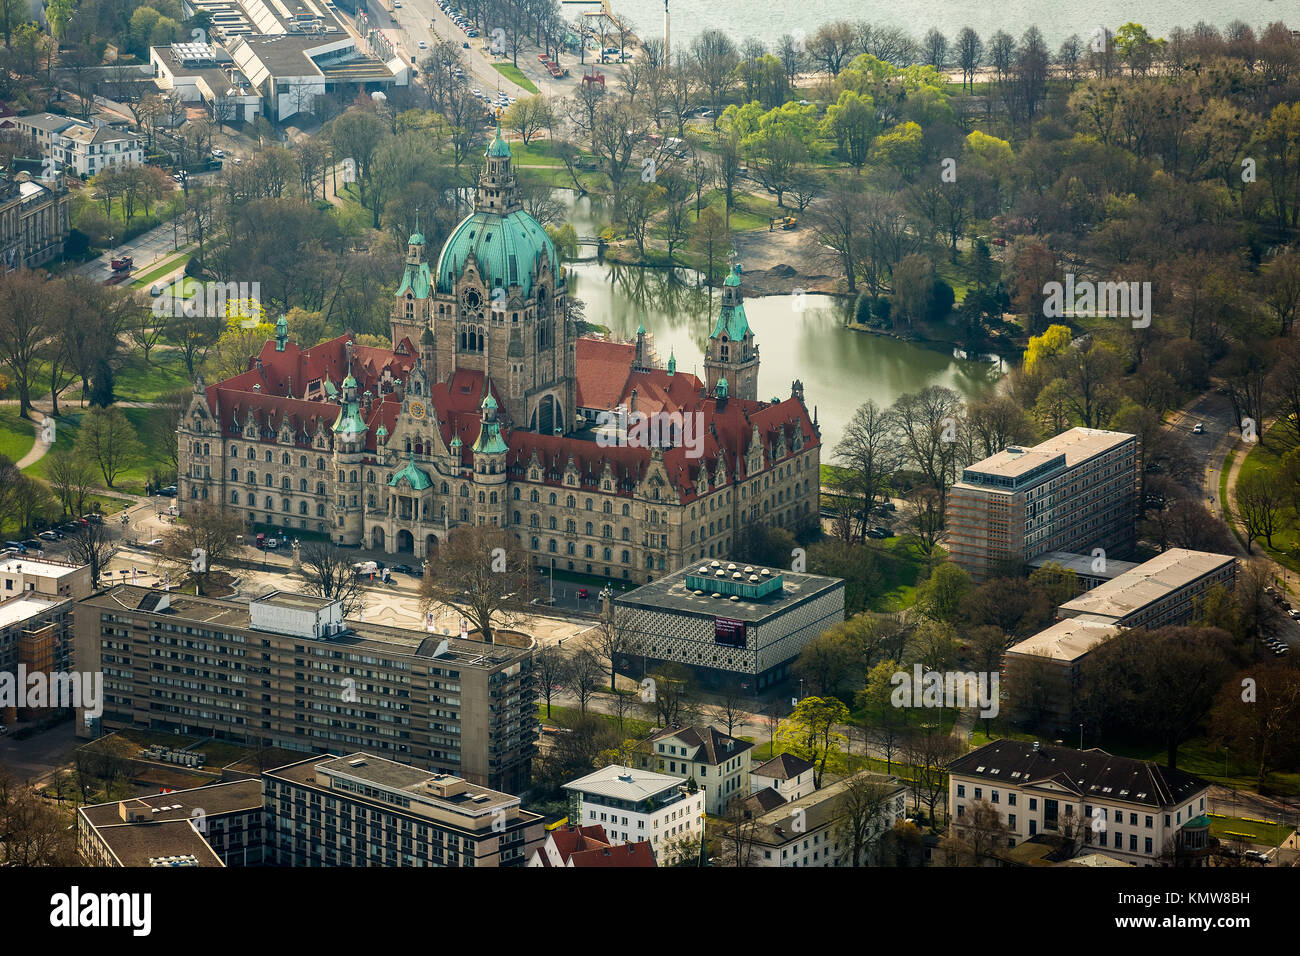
<point>589,846</point>
<point>729,426</point>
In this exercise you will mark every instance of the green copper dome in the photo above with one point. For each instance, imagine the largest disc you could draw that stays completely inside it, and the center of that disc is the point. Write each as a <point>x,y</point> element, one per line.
<point>507,248</point>
<point>417,239</point>
<point>417,478</point>
<point>349,382</point>
<point>733,278</point>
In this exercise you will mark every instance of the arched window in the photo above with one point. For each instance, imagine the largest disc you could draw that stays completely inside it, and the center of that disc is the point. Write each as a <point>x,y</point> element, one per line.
<point>571,502</point>
<point>588,504</point>
<point>269,480</point>
<point>552,497</point>
<point>588,527</point>
<point>551,519</point>
<point>533,496</point>
<point>234,474</point>
<point>626,510</point>
<point>269,459</point>
<point>285,459</point>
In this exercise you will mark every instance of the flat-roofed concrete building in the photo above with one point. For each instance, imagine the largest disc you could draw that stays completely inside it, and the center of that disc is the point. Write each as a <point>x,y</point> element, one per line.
<point>1042,672</point>
<point>1164,590</point>
<point>363,810</point>
<point>731,623</point>
<point>633,804</point>
<point>1075,492</point>
<point>44,577</point>
<point>288,670</point>
<point>216,825</point>
<point>1091,571</point>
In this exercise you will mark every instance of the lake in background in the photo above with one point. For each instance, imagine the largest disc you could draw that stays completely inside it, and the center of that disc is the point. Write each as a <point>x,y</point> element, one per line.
<point>1057,20</point>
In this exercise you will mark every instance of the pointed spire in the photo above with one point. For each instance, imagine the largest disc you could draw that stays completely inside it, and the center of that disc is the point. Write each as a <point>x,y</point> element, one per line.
<point>672,362</point>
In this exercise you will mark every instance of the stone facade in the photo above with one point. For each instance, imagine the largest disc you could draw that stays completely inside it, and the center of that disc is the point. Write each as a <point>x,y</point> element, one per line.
<point>471,419</point>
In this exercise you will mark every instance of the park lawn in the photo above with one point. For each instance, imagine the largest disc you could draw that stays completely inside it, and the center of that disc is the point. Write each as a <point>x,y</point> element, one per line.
<point>138,381</point>
<point>1262,832</point>
<point>515,75</point>
<point>901,565</point>
<point>634,728</point>
<point>168,265</point>
<point>748,213</point>
<point>17,435</point>
<point>130,481</point>
<point>134,478</point>
<point>1267,458</point>
<point>537,153</point>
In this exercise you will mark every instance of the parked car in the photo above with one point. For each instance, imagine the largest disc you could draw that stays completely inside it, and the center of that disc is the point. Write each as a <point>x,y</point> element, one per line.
<point>32,544</point>
<point>1294,614</point>
<point>272,544</point>
<point>583,594</point>
<point>49,535</point>
<point>401,568</point>
<point>16,546</point>
<point>876,534</point>
<point>153,543</point>
<point>218,154</point>
<point>1198,428</point>
<point>423,45</point>
<point>883,532</point>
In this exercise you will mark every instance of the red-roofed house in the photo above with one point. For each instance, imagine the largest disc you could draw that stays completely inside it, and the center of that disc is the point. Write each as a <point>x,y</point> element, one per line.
<point>589,847</point>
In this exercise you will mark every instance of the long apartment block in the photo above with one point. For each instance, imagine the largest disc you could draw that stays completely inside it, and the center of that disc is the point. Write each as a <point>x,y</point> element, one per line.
<point>1075,492</point>
<point>363,810</point>
<point>288,670</point>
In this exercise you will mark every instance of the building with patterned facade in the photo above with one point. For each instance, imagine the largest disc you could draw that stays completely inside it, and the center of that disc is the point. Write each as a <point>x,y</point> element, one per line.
<point>732,625</point>
<point>473,418</point>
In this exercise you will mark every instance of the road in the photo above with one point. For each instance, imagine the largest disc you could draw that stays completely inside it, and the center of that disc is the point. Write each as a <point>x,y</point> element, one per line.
<point>1207,450</point>
<point>147,248</point>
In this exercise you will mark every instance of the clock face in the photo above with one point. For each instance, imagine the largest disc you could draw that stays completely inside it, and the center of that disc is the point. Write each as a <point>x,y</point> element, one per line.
<point>472,299</point>
<point>417,410</point>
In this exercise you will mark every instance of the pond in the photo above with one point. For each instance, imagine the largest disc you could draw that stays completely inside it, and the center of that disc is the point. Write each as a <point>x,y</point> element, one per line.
<point>840,368</point>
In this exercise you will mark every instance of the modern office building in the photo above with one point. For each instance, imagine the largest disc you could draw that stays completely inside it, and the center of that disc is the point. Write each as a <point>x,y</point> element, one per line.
<point>732,624</point>
<point>287,670</point>
<point>1128,809</point>
<point>216,825</point>
<point>634,805</point>
<point>1156,593</point>
<point>363,810</point>
<point>1076,492</point>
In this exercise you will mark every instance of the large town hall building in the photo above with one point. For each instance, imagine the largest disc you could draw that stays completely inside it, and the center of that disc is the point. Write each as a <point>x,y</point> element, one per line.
<point>483,413</point>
